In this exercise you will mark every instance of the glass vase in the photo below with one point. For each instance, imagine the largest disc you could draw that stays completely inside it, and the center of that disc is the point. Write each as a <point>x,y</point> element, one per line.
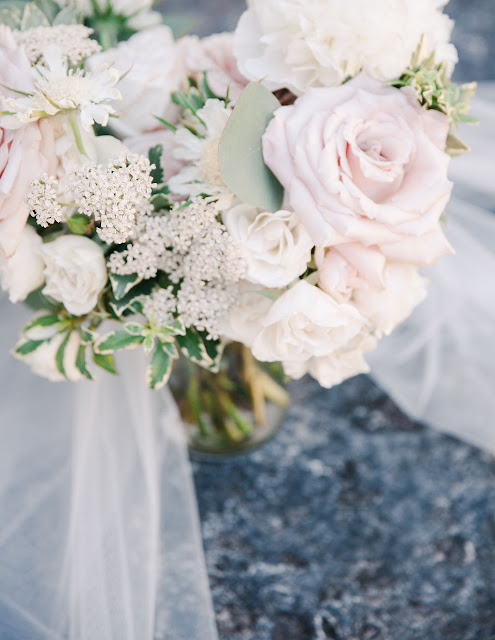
<point>231,411</point>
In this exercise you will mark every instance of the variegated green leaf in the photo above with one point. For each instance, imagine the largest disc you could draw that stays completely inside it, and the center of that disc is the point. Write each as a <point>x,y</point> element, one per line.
<point>160,368</point>
<point>60,355</point>
<point>105,361</point>
<point>81,362</point>
<point>116,341</point>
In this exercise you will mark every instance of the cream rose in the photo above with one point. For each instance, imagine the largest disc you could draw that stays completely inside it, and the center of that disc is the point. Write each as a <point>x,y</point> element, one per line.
<point>75,272</point>
<point>22,273</point>
<point>214,56</point>
<point>276,246</point>
<point>364,163</point>
<point>384,292</point>
<point>305,325</point>
<point>299,44</point>
<point>152,70</point>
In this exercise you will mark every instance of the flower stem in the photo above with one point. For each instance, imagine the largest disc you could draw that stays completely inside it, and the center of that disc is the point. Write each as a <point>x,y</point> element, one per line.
<point>77,134</point>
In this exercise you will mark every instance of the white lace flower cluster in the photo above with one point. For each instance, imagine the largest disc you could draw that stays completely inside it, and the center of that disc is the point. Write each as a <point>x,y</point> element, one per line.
<point>197,252</point>
<point>161,305</point>
<point>43,201</point>
<point>73,40</point>
<point>113,194</point>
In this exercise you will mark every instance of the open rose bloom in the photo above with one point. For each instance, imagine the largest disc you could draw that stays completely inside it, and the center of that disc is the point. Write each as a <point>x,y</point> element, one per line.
<point>283,187</point>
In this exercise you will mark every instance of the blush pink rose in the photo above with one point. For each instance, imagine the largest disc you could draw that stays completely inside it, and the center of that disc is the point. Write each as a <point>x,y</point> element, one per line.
<point>364,163</point>
<point>214,56</point>
<point>25,153</point>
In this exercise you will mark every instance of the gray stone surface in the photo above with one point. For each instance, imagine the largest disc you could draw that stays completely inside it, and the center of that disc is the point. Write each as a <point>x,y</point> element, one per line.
<point>353,523</point>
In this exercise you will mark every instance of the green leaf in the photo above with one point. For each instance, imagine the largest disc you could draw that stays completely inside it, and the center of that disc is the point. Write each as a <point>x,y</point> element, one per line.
<point>59,357</point>
<point>37,301</point>
<point>133,298</point>
<point>155,157</point>
<point>148,344</point>
<point>79,224</point>
<point>49,8</point>
<point>180,24</point>
<point>68,15</point>
<point>33,17</point>
<point>121,285</point>
<point>205,353</point>
<point>43,321</point>
<point>175,329</point>
<point>455,146</point>
<point>28,347</point>
<point>160,201</point>
<point>117,340</point>
<point>11,17</point>
<point>160,368</point>
<point>81,362</point>
<point>166,123</point>
<point>241,155</point>
<point>215,349</point>
<point>105,361</point>
<point>206,92</point>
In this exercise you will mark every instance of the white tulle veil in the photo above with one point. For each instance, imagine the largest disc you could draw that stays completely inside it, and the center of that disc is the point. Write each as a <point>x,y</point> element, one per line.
<point>99,533</point>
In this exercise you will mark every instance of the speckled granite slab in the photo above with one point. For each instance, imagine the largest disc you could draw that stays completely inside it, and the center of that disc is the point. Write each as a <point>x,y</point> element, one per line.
<point>353,523</point>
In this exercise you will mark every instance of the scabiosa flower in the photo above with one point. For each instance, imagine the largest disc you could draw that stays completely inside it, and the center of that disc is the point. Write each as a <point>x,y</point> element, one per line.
<point>59,89</point>
<point>202,174</point>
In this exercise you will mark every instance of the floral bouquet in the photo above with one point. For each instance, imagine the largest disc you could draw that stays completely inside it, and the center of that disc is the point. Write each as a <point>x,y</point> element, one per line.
<point>275,192</point>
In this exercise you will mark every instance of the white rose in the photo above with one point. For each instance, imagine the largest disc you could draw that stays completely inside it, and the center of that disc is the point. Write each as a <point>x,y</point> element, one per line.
<point>23,272</point>
<point>75,272</point>
<point>298,44</point>
<point>42,360</point>
<point>245,321</point>
<point>152,70</point>
<point>277,247</point>
<point>305,325</point>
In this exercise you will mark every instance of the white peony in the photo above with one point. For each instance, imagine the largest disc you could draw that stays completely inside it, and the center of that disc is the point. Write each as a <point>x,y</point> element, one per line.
<point>22,273</point>
<point>246,318</point>
<point>276,246</point>
<point>298,44</point>
<point>202,175</point>
<point>151,69</point>
<point>308,331</point>
<point>42,360</point>
<point>75,272</point>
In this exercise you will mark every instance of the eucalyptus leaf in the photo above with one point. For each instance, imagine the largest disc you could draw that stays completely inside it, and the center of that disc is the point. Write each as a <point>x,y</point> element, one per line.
<point>68,15</point>
<point>180,24</point>
<point>240,152</point>
<point>33,17</point>
<point>11,17</point>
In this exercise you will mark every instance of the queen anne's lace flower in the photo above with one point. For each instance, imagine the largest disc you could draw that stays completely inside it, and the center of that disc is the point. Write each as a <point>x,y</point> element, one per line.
<point>59,89</point>
<point>161,305</point>
<point>73,40</point>
<point>43,201</point>
<point>113,194</point>
<point>300,44</point>
<point>197,253</point>
<point>202,174</point>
